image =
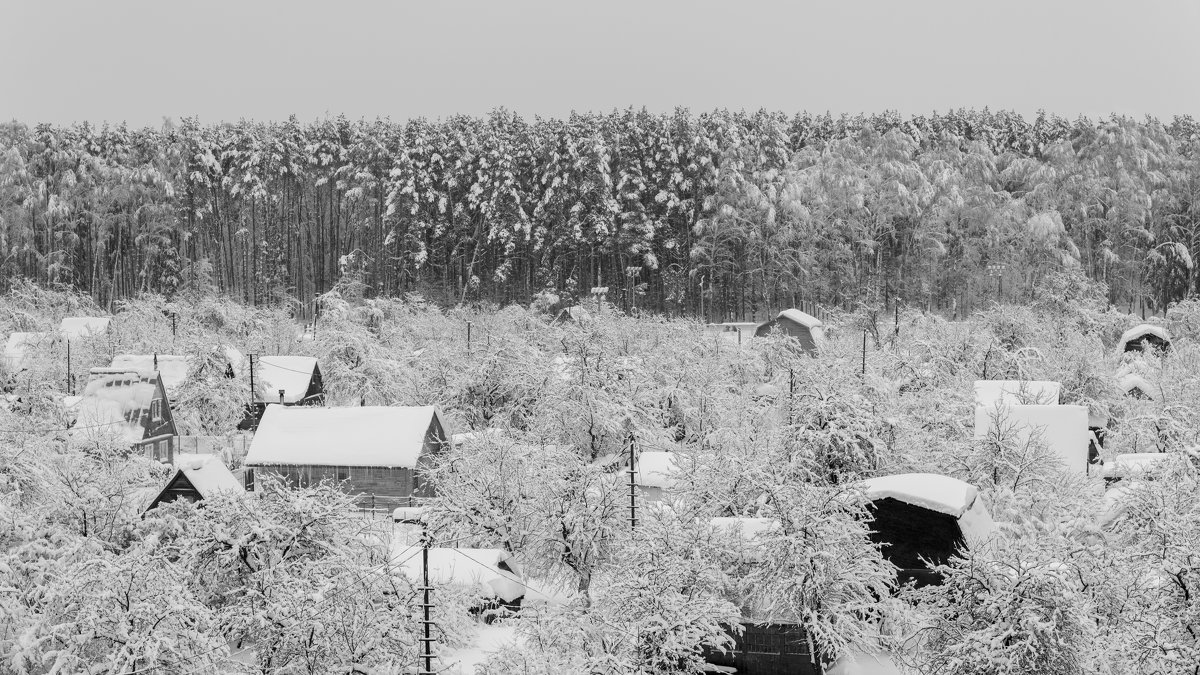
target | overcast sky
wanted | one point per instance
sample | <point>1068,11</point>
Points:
<point>140,61</point>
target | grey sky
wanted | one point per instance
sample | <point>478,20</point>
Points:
<point>139,61</point>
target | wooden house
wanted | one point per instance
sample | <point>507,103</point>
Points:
<point>922,519</point>
<point>195,478</point>
<point>1136,386</point>
<point>286,380</point>
<point>126,406</point>
<point>1145,337</point>
<point>376,453</point>
<point>805,328</point>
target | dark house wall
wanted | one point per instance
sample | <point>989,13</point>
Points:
<point>791,329</point>
<point>180,488</point>
<point>907,534</point>
<point>769,649</point>
<point>1153,342</point>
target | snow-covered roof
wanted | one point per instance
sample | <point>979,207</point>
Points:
<point>1135,463</point>
<point>656,469</point>
<point>574,313</point>
<point>748,528</point>
<point>408,514</point>
<point>803,318</point>
<point>1064,429</point>
<point>490,571</point>
<point>207,473</point>
<point>1140,331</point>
<point>932,491</point>
<point>83,326</point>
<point>236,360</point>
<point>292,374</point>
<point>1015,392</point>
<point>19,344</point>
<point>112,404</point>
<point>938,493</point>
<point>172,368</point>
<point>379,436</point>
<point>1130,381</point>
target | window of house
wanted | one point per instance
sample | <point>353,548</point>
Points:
<point>156,410</point>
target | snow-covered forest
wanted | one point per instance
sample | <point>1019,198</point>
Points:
<point>725,215</point>
<point>1075,578</point>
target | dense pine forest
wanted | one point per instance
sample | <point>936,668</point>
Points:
<point>718,214</point>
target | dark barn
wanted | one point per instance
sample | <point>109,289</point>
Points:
<point>920,520</point>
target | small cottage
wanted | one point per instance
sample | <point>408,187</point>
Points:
<point>573,314</point>
<point>195,478</point>
<point>491,574</point>
<point>805,328</point>
<point>1136,386</point>
<point>77,327</point>
<point>376,453</point>
<point>172,369</point>
<point>736,332</point>
<point>921,519</point>
<point>1145,337</point>
<point>287,380</point>
<point>20,346</point>
<point>128,406</point>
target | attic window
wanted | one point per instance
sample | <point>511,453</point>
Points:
<point>156,410</point>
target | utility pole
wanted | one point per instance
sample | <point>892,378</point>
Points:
<point>632,481</point>
<point>426,605</point>
<point>468,338</point>
<point>251,407</point>
<point>69,389</point>
<point>864,353</point>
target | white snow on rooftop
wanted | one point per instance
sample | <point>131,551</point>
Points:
<point>207,473</point>
<point>1141,331</point>
<point>1064,429</point>
<point>489,571</point>
<point>1134,463</point>
<point>935,492</point>
<point>380,436</point>
<point>292,374</point>
<point>1016,392</point>
<point>1130,381</point>
<point>19,345</point>
<point>74,327</point>
<point>172,368</point>
<point>656,469</point>
<point>112,405</point>
<point>803,318</point>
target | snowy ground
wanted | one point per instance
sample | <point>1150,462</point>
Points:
<point>487,640</point>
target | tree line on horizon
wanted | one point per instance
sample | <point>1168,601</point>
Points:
<point>723,215</point>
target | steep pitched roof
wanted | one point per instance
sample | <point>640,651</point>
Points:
<point>292,374</point>
<point>172,368</point>
<point>378,436</point>
<point>207,474</point>
<point>114,403</point>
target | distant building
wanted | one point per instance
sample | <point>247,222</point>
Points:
<point>1136,386</point>
<point>195,478</point>
<point>737,332</point>
<point>573,314</point>
<point>376,453</point>
<point>921,519</point>
<point>286,380</point>
<point>655,473</point>
<point>1145,337</point>
<point>129,406</point>
<point>806,328</point>
<point>491,574</point>
<point>76,327</point>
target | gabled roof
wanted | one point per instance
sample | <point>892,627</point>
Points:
<point>19,344</point>
<point>656,469</point>
<point>207,474</point>
<point>490,571</point>
<point>802,318</point>
<point>1016,392</point>
<point>74,327</point>
<point>114,403</point>
<point>377,436</point>
<point>574,313</point>
<point>1130,381</point>
<point>292,374</point>
<point>1140,331</point>
<point>172,368</point>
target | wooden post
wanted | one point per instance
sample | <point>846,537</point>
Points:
<point>864,353</point>
<point>468,337</point>
<point>632,483</point>
<point>69,389</point>
<point>426,606</point>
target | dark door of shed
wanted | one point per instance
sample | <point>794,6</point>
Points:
<point>909,536</point>
<point>769,649</point>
